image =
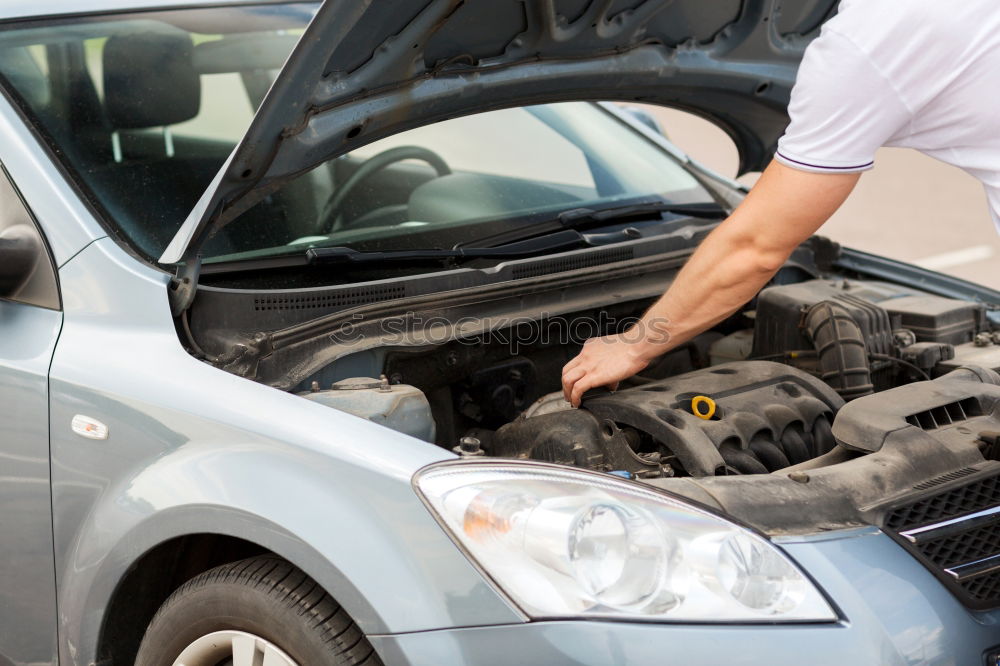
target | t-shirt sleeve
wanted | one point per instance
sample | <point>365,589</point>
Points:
<point>842,109</point>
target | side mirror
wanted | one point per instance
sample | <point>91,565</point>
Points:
<point>19,251</point>
<point>646,118</point>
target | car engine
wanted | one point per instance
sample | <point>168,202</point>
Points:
<point>830,401</point>
<point>743,418</point>
<point>758,394</point>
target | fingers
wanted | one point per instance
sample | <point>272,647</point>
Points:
<point>580,387</point>
<point>596,365</point>
<point>569,378</point>
<point>579,381</point>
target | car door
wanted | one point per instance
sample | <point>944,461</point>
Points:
<point>30,321</point>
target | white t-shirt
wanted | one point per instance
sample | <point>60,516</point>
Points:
<point>921,74</point>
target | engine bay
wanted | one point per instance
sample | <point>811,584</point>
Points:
<point>850,385</point>
<point>843,396</point>
<point>758,394</point>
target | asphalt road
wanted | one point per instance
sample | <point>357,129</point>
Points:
<point>909,207</point>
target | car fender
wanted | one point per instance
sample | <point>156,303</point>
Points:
<point>193,449</point>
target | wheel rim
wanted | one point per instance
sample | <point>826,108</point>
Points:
<point>235,647</point>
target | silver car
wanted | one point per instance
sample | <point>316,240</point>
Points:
<point>286,289</point>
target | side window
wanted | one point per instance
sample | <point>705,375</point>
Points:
<point>28,274</point>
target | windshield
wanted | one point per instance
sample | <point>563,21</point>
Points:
<point>145,108</point>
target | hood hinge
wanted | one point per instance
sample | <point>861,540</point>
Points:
<point>184,285</point>
<point>826,252</point>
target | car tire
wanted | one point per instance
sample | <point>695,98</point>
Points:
<point>261,600</point>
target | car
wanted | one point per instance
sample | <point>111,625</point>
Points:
<point>286,291</point>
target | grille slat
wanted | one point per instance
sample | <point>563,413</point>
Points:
<point>955,533</point>
<point>969,570</point>
<point>945,415</point>
<point>944,478</point>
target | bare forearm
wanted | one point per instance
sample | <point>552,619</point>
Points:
<point>740,256</point>
<point>720,277</point>
<point>729,267</point>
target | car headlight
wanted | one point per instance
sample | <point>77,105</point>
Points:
<point>565,543</point>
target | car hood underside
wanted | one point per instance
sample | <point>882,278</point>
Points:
<point>365,70</point>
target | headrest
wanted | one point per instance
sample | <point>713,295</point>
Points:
<point>150,80</point>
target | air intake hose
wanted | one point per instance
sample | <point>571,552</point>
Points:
<point>840,346</point>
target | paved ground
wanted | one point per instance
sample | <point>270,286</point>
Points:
<point>909,207</point>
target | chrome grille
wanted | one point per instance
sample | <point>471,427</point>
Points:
<point>955,532</point>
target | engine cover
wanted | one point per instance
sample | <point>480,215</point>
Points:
<point>768,416</point>
<point>880,311</point>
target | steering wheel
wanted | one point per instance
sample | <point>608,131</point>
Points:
<point>330,214</point>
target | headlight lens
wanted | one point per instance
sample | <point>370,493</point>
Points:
<point>565,543</point>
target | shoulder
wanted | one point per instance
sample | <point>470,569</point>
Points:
<point>871,24</point>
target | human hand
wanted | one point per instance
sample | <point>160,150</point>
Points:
<point>603,362</point>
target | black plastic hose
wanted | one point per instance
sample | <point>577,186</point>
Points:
<point>840,347</point>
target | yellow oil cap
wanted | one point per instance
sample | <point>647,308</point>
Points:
<point>703,407</point>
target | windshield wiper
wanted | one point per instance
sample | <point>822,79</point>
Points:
<point>549,235</point>
<point>561,240</point>
<point>582,218</point>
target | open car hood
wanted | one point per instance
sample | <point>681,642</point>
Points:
<point>364,70</point>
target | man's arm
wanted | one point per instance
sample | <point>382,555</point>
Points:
<point>731,265</point>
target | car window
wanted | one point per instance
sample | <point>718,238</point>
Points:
<point>145,108</point>
<point>464,178</point>
<point>39,285</point>
<point>511,142</point>
<point>226,108</point>
<point>149,103</point>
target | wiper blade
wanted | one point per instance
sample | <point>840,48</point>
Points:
<point>710,210</point>
<point>581,218</point>
<point>562,240</point>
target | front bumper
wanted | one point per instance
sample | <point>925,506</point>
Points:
<point>895,612</point>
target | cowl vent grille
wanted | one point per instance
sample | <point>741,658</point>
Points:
<point>946,415</point>
<point>329,301</point>
<point>572,263</point>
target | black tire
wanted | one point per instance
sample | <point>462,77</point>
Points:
<point>264,596</point>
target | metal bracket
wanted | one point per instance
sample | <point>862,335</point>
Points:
<point>825,252</point>
<point>184,285</point>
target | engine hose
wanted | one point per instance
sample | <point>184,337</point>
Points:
<point>840,346</point>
